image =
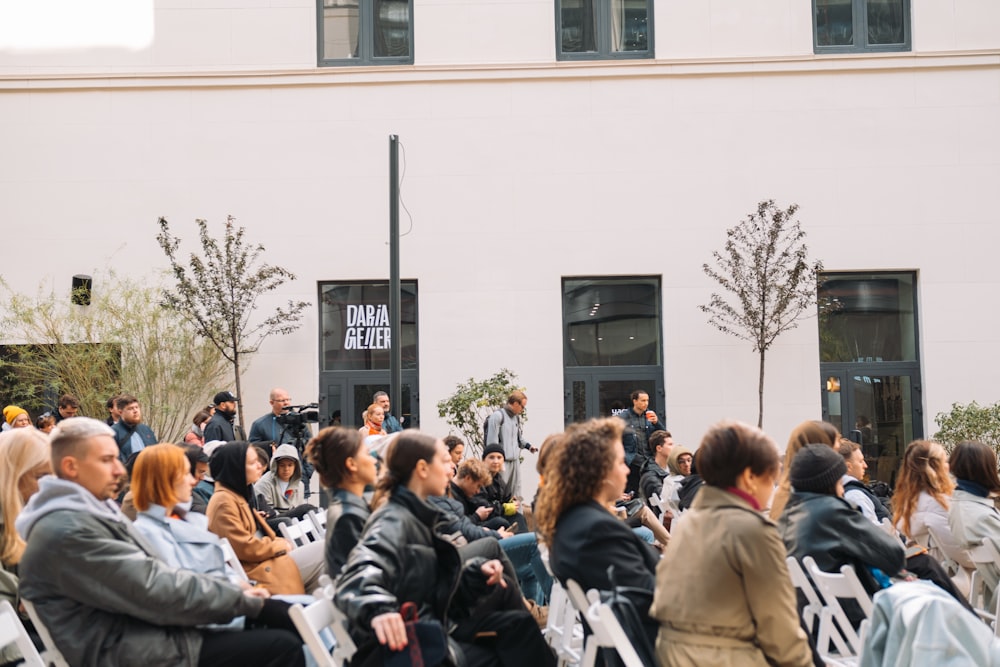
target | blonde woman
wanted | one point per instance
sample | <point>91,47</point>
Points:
<point>923,497</point>
<point>807,433</point>
<point>24,459</point>
<point>374,421</point>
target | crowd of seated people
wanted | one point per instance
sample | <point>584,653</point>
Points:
<point>427,523</point>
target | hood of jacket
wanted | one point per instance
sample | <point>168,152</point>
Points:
<point>287,452</point>
<point>56,494</point>
<point>675,453</point>
<point>228,466</point>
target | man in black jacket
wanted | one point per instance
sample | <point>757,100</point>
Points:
<point>220,426</point>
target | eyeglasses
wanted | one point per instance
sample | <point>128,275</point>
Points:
<point>45,415</point>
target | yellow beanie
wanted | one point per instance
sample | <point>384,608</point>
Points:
<point>11,412</point>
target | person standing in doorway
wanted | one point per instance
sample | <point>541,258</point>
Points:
<point>640,423</point>
<point>391,424</point>
<point>503,428</point>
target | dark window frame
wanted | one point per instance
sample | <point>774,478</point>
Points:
<point>859,15</point>
<point>603,36</point>
<point>366,39</point>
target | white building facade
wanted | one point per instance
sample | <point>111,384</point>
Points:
<point>568,167</point>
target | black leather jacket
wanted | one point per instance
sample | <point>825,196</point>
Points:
<point>400,558</point>
<point>835,533</point>
<point>345,518</point>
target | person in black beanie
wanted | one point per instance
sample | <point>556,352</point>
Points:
<point>818,522</point>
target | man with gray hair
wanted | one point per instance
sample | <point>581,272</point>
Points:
<point>391,424</point>
<point>101,592</point>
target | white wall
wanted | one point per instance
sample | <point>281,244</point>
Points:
<point>517,177</point>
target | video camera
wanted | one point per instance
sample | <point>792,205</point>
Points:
<point>296,417</point>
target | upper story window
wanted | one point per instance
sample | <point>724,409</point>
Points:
<point>365,32</point>
<point>612,321</point>
<point>604,29</point>
<point>841,26</point>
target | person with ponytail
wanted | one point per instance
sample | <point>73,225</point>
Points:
<point>345,468</point>
<point>922,498</point>
<point>400,559</point>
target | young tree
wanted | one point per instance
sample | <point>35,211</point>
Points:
<point>765,269</point>
<point>217,292</point>
<point>468,408</point>
<point>123,342</point>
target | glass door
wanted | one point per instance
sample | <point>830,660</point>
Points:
<point>878,408</point>
<point>606,392</point>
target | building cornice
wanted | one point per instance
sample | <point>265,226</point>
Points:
<point>424,74</point>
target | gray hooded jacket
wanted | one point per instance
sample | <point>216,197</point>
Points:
<point>105,599</point>
<point>269,485</point>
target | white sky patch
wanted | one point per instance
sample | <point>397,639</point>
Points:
<point>49,25</point>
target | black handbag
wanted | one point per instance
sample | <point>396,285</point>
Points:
<point>426,642</point>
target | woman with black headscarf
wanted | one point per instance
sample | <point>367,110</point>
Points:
<point>265,557</point>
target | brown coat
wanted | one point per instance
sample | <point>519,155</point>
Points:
<point>723,594</point>
<point>264,558</point>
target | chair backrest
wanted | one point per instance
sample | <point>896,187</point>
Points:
<point>229,555</point>
<point>321,615</point>
<point>610,634</point>
<point>836,586</point>
<point>294,532</point>
<point>318,519</point>
<point>12,632</point>
<point>984,554</point>
<point>815,614</point>
<point>51,655</point>
<point>563,630</point>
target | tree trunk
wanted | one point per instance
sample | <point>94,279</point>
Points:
<point>239,389</point>
<point>760,393</point>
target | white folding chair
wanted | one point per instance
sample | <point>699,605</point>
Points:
<point>318,518</point>
<point>318,616</point>
<point>945,551</point>
<point>610,634</point>
<point>984,554</point>
<point>295,532</point>
<point>563,630</point>
<point>51,655</point>
<point>12,632</point>
<point>231,560</point>
<point>814,613</point>
<point>842,585</point>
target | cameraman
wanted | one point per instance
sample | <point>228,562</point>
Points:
<point>269,429</point>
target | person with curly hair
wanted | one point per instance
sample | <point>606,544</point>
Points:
<point>345,468</point>
<point>807,433</point>
<point>585,474</point>
<point>923,496</point>
<point>723,593</point>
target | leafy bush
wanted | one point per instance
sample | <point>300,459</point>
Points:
<point>467,409</point>
<point>969,422</point>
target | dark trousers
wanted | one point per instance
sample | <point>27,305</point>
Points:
<point>251,648</point>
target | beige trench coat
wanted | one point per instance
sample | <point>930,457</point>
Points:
<point>723,595</point>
